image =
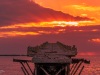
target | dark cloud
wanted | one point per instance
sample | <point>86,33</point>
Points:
<point>79,38</point>
<point>19,45</point>
<point>23,11</point>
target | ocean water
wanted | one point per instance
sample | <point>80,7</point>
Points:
<point>8,67</point>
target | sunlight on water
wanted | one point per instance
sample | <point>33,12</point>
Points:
<point>8,67</point>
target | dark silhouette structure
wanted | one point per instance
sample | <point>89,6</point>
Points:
<point>53,59</point>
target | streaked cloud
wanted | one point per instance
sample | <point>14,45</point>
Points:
<point>95,40</point>
<point>48,24</point>
<point>84,10</point>
<point>24,17</point>
<point>26,11</point>
<point>47,28</point>
<point>23,22</point>
<point>7,34</point>
<point>85,7</point>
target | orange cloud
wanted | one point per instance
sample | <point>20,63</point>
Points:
<point>25,11</point>
<point>80,30</point>
<point>7,34</point>
<point>84,10</point>
<point>96,40</point>
<point>53,27</point>
<point>16,33</point>
<point>31,29</point>
<point>48,24</point>
<point>85,7</point>
<point>95,30</point>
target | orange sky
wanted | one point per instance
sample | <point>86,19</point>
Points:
<point>86,8</point>
<point>24,23</point>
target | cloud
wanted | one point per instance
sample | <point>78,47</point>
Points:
<point>95,40</point>
<point>19,25</point>
<point>24,11</point>
<point>84,10</point>
<point>7,34</point>
<point>17,39</point>
<point>45,28</point>
<point>84,7</point>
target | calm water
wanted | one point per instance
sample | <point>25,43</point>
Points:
<point>8,67</point>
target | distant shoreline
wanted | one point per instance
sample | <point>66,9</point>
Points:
<point>13,55</point>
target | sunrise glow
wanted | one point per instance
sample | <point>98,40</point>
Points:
<point>42,24</point>
<point>49,24</point>
<point>53,24</point>
<point>79,7</point>
<point>69,21</point>
<point>63,23</point>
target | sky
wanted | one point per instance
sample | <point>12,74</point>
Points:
<point>26,23</point>
<point>85,8</point>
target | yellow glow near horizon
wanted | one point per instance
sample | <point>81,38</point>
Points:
<point>63,23</point>
<point>49,24</point>
<point>53,24</point>
<point>58,23</point>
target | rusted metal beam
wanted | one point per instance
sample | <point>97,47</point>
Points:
<point>76,60</point>
<point>77,68</point>
<point>72,70</point>
<point>25,68</point>
<point>35,71</point>
<point>29,68</point>
<point>68,69</point>
<point>44,71</point>
<point>60,71</point>
<point>81,70</point>
<point>23,71</point>
<point>19,60</point>
<point>72,66</point>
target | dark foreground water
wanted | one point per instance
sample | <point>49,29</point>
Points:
<point>8,67</point>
